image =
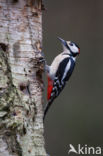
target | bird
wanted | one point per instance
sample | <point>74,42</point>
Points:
<point>60,71</point>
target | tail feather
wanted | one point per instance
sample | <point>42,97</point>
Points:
<point>54,94</point>
<point>46,109</point>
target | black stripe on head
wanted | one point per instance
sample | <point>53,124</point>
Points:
<point>76,45</point>
<point>73,54</point>
<point>67,46</point>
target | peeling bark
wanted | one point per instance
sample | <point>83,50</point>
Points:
<point>21,86</point>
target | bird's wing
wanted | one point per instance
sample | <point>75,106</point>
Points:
<point>55,86</point>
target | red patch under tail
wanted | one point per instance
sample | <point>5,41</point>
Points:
<point>50,87</point>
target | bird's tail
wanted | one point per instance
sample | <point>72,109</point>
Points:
<point>51,100</point>
<point>47,108</point>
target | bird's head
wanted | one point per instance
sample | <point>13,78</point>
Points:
<point>72,48</point>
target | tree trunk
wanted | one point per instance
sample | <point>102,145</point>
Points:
<point>21,86</point>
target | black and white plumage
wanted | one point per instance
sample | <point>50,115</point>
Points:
<point>60,71</point>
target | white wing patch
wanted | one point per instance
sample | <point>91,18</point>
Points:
<point>66,69</point>
<point>55,64</point>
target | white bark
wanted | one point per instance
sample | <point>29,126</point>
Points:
<point>21,125</point>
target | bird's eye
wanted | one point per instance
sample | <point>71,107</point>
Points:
<point>71,44</point>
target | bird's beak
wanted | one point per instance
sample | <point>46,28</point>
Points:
<point>63,41</point>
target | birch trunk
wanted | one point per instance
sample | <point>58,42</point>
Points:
<point>21,86</point>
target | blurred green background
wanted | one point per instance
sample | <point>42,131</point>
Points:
<point>76,116</point>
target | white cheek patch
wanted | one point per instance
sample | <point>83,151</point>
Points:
<point>74,49</point>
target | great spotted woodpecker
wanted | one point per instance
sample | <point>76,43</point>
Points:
<point>60,71</point>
